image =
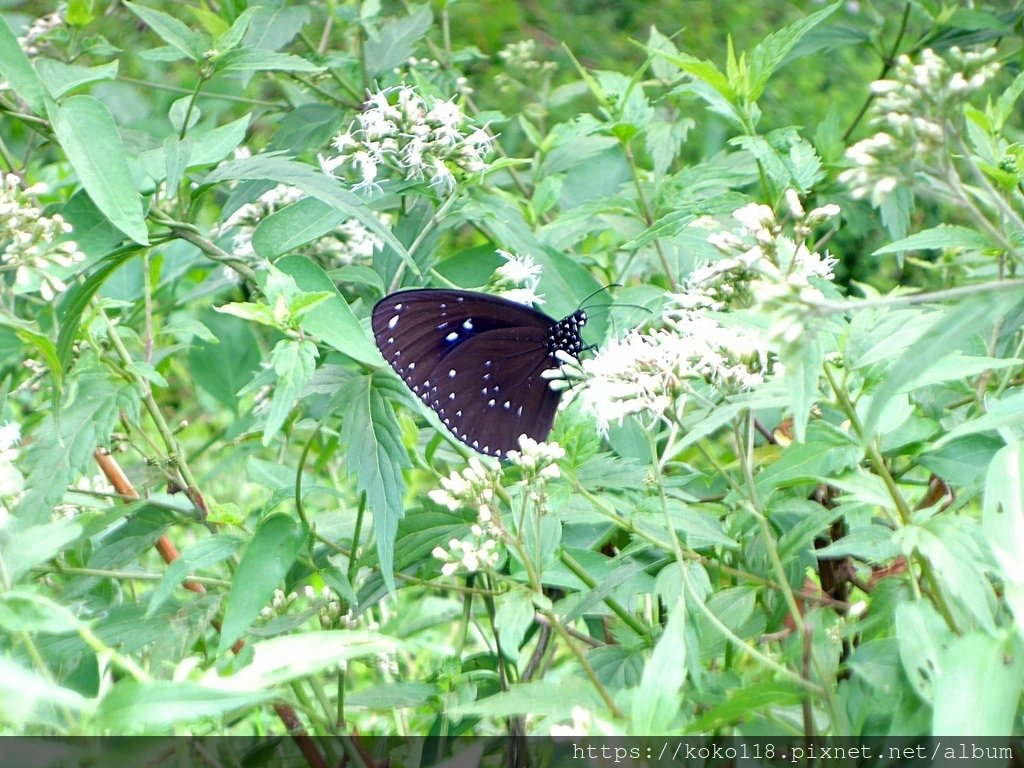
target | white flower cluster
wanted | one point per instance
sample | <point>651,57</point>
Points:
<point>521,54</point>
<point>475,488</point>
<point>347,244</point>
<point>761,262</point>
<point>517,279</point>
<point>326,604</point>
<point>415,138</point>
<point>39,29</point>
<point>913,111</point>
<point>652,372</point>
<point>29,241</point>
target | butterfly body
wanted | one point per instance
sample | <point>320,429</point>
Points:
<point>476,360</point>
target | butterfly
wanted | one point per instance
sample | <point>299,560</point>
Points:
<point>476,360</point>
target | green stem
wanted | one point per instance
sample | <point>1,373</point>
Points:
<point>627,618</point>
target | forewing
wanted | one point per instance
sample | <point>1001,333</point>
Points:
<point>488,391</point>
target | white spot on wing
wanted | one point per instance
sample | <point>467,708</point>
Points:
<point>468,324</point>
<point>393,322</point>
<point>451,336</point>
<point>451,373</point>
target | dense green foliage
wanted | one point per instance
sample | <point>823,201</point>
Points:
<point>785,493</point>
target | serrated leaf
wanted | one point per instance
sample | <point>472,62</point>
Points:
<point>947,332</point>
<point>172,31</point>
<point>376,458</point>
<point>773,50</point>
<point>333,322</point>
<point>294,362</point>
<point>396,40</point>
<point>274,547</point>
<point>942,237</point>
<point>657,701</point>
<point>89,137</point>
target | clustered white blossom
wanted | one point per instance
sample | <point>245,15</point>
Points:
<point>517,279</point>
<point>475,488</point>
<point>522,54</point>
<point>40,28</point>
<point>761,262</point>
<point>326,604</point>
<point>701,334</point>
<point>29,241</point>
<point>411,136</point>
<point>348,243</point>
<point>913,112</point>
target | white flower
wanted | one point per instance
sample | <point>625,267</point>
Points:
<point>755,217</point>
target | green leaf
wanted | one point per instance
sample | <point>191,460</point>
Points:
<point>89,136</point>
<point>27,698</point>
<point>294,362</point>
<point>26,546</point>
<point>214,145</point>
<point>313,182</point>
<point>396,40</point>
<point>229,40</point>
<point>172,31</point>
<point>376,458</point>
<point>978,692</point>
<point>24,611</point>
<point>740,703</point>
<point>387,696</point>
<point>333,322</point>
<point>133,707</point>
<point>61,78</point>
<point>803,364</point>
<point>224,367</point>
<point>255,60</point>
<point>295,225</point>
<point>545,698</point>
<point>772,51</point>
<point>1002,523</point>
<point>280,660</point>
<point>513,617</point>
<point>942,237</point>
<point>950,329</point>
<point>77,299</point>
<point>923,637</point>
<point>17,70</point>
<point>657,701</point>
<point>1004,413</point>
<point>202,554</point>
<point>274,547</point>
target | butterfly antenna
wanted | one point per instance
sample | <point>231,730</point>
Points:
<point>602,288</point>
